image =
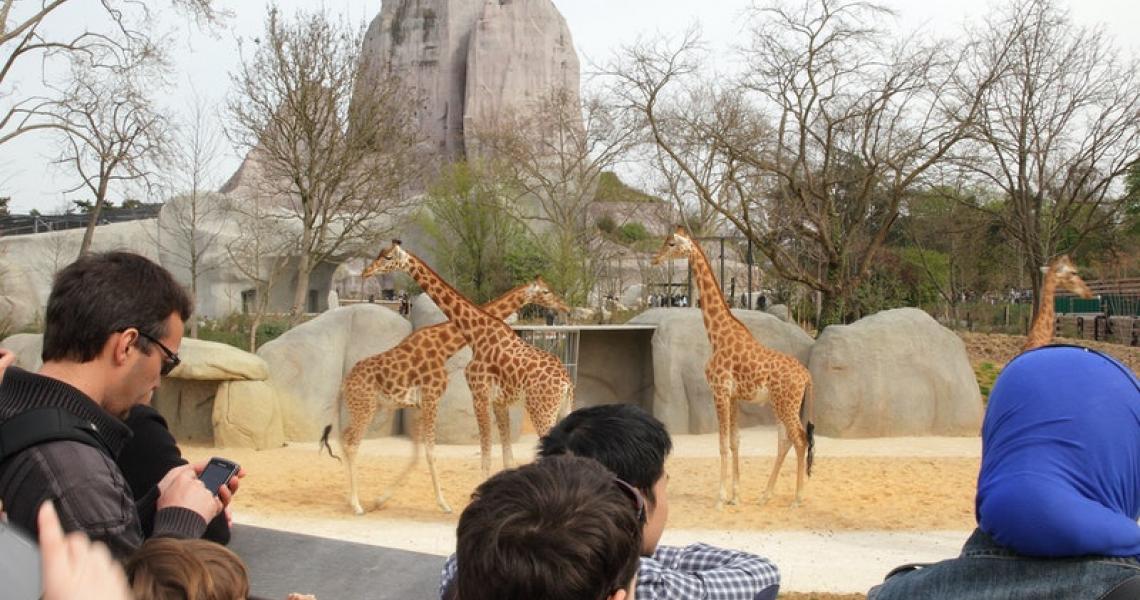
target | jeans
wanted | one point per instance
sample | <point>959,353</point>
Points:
<point>986,570</point>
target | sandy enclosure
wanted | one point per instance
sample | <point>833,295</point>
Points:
<point>909,484</point>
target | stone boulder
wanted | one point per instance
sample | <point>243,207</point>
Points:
<point>247,414</point>
<point>425,313</point>
<point>682,398</point>
<point>28,348</point>
<point>188,396</point>
<point>894,373</point>
<point>633,295</point>
<point>308,363</point>
<point>781,312</point>
<point>20,307</point>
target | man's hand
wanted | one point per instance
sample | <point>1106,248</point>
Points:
<point>180,487</point>
<point>74,568</point>
<point>7,359</point>
<point>226,493</point>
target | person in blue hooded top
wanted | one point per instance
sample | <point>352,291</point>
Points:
<point>1059,489</point>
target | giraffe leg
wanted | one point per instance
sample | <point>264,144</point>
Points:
<point>361,410</point>
<point>734,441</point>
<point>411,464</point>
<point>503,420</point>
<point>480,397</point>
<point>427,430</point>
<point>782,447</point>
<point>723,406</point>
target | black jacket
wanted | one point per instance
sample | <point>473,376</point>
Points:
<point>149,455</point>
<point>89,491</point>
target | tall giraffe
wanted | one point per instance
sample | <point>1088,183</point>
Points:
<point>743,370</point>
<point>413,374</point>
<point>503,369</point>
<point>1060,271</point>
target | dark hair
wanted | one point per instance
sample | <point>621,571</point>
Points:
<point>186,569</point>
<point>559,529</point>
<point>100,294</point>
<point>627,440</point>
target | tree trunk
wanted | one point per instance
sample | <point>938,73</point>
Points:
<point>92,221</point>
<point>301,293</point>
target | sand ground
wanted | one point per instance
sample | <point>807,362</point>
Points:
<point>869,506</point>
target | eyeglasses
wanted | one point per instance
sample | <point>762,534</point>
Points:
<point>170,361</point>
<point>638,499</point>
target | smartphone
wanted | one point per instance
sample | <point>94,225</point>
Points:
<point>20,566</point>
<point>217,472</point>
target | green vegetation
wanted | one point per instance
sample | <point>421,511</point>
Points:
<point>612,189</point>
<point>234,330</point>
<point>986,373</point>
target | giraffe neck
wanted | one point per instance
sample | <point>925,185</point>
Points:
<point>719,321</point>
<point>504,305</point>
<point>1041,332</point>
<point>471,322</point>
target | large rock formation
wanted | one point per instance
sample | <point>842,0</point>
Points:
<point>521,53</point>
<point>682,398</point>
<point>897,372</point>
<point>459,54</point>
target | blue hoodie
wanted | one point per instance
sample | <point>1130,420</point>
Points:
<point>1060,469</point>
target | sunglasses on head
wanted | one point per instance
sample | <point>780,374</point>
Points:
<point>635,496</point>
<point>169,361</point>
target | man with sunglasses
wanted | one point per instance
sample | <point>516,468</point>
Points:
<point>633,445</point>
<point>111,330</point>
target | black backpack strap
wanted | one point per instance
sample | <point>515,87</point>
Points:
<point>47,424</point>
<point>1129,589</point>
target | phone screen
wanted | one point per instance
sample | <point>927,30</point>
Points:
<point>19,565</point>
<point>217,472</point>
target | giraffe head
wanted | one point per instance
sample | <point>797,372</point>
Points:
<point>390,260</point>
<point>1065,273</point>
<point>677,245</point>
<point>539,292</point>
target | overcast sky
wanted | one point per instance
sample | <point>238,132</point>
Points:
<point>598,27</point>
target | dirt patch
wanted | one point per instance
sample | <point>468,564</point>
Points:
<point>844,494</point>
<point>998,349</point>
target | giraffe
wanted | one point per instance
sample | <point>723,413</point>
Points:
<point>503,369</point>
<point>413,374</point>
<point>1060,271</point>
<point>743,370</point>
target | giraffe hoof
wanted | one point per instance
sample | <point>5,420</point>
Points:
<point>358,510</point>
<point>444,507</point>
<point>764,499</point>
<point>797,503</point>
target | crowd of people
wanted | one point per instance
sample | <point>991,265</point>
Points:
<point>89,469</point>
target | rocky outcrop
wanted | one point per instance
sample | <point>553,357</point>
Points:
<point>521,52</point>
<point>424,43</point>
<point>682,398</point>
<point>308,363</point>
<point>463,58</point>
<point>894,373</point>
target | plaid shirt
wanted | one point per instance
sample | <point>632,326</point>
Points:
<point>697,571</point>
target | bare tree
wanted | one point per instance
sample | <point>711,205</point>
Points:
<point>120,36</point>
<point>110,133</point>
<point>554,151</point>
<point>812,150</point>
<point>341,165</point>
<point>261,251</point>
<point>1059,130</point>
<point>193,218</point>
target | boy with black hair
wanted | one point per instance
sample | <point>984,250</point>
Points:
<point>112,328</point>
<point>563,528</point>
<point>633,445</point>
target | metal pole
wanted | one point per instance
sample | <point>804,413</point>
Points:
<point>722,265</point>
<point>749,272</point>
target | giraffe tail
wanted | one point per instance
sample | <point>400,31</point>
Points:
<point>324,443</point>
<point>809,429</point>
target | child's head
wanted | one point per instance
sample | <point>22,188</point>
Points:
<point>560,528</point>
<point>177,569</point>
<point>628,441</point>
